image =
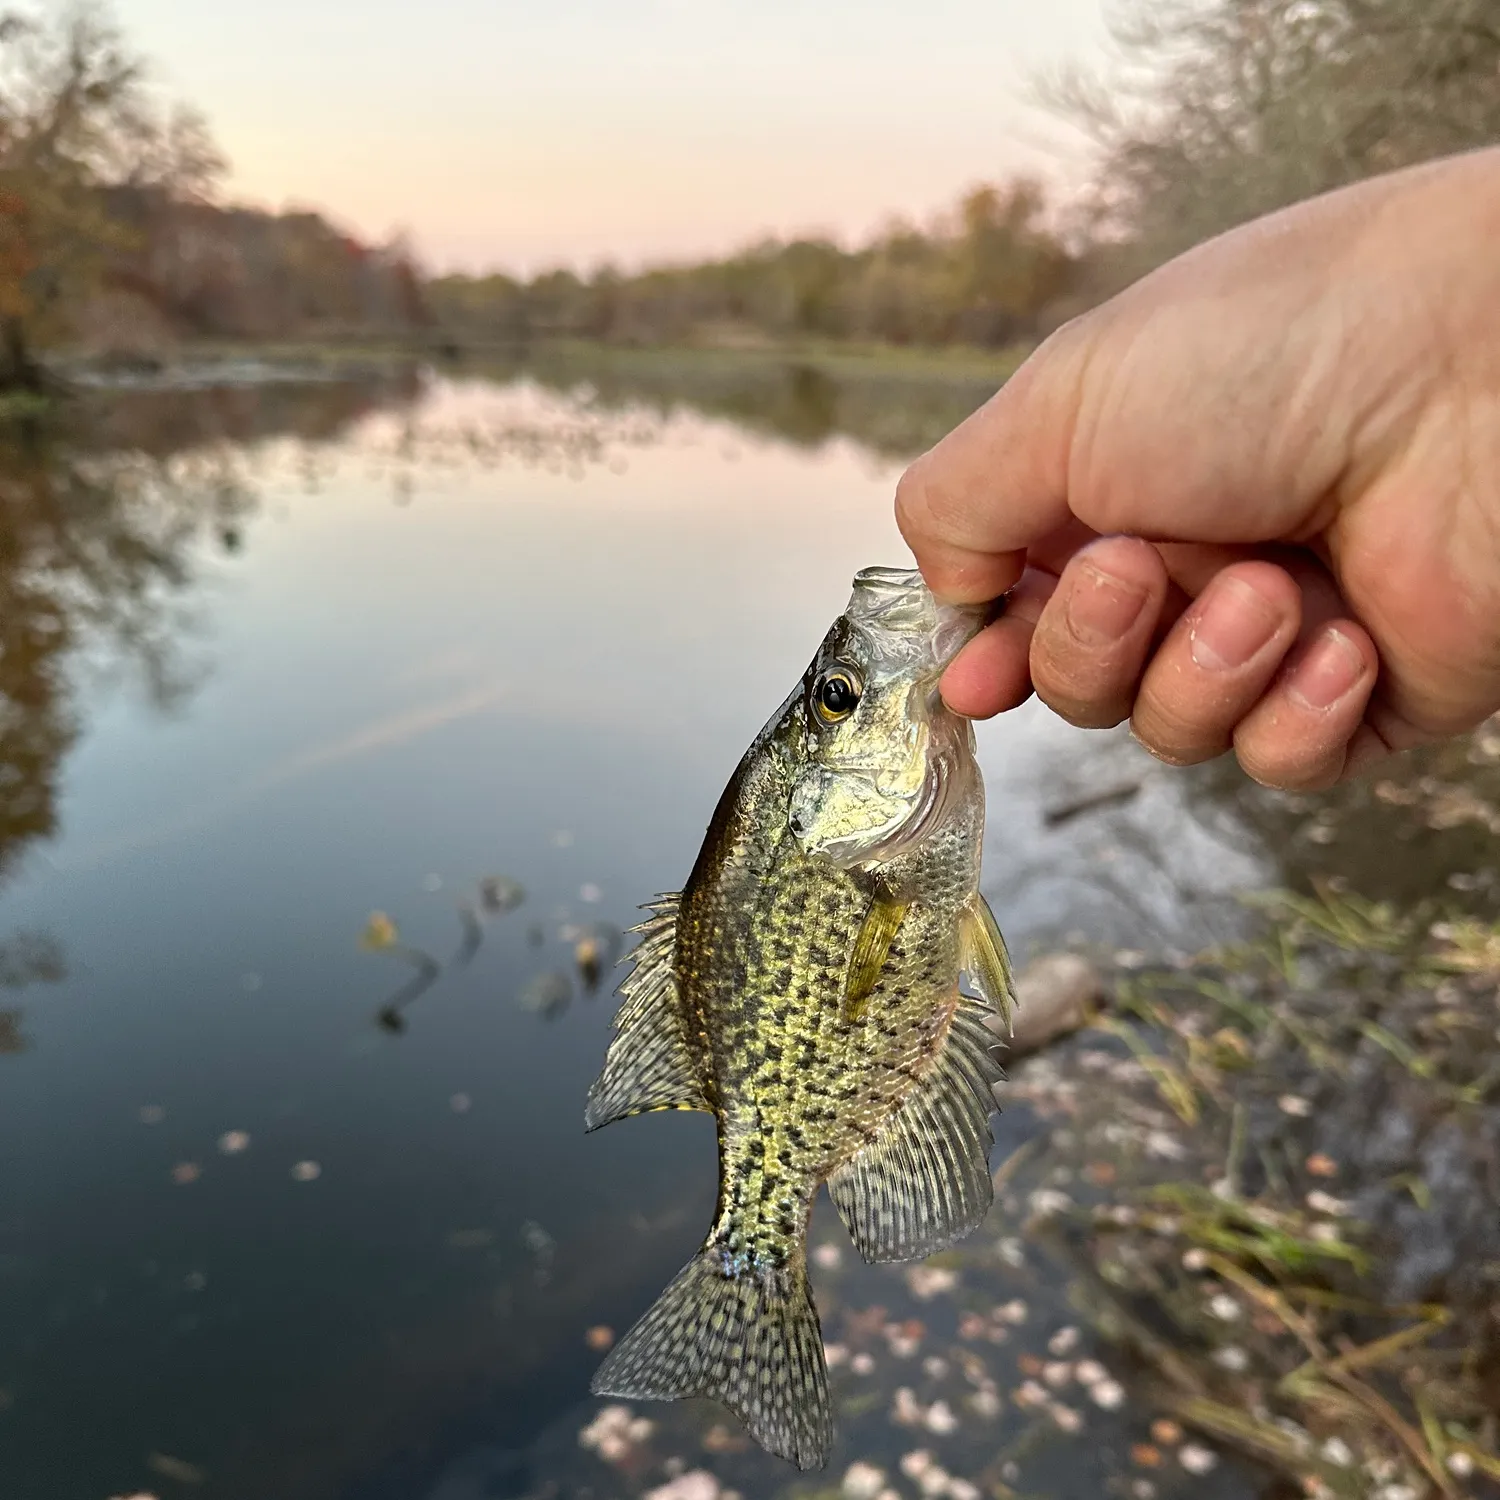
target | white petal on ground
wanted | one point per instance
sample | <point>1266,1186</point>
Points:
<point>940,1419</point>
<point>232,1142</point>
<point>1225,1308</point>
<point>1064,1341</point>
<point>863,1481</point>
<point>1197,1459</point>
<point>306,1171</point>
<point>696,1484</point>
<point>906,1410</point>
<point>1164,1146</point>
<point>916,1463</point>
<point>1325,1203</point>
<point>1044,1203</point>
<point>927,1282</point>
<point>986,1404</point>
<point>1065,1417</point>
<point>935,1481</point>
<point>828,1257</point>
<point>1107,1394</point>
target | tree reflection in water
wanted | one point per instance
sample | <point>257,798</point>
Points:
<point>106,506</point>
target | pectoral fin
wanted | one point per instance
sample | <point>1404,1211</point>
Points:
<point>871,949</point>
<point>985,960</point>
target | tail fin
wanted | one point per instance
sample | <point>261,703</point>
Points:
<point>750,1340</point>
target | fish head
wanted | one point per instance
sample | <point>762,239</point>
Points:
<point>883,759</point>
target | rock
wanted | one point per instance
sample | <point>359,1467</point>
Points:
<point>1054,996</point>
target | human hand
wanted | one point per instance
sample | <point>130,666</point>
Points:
<point>1253,502</point>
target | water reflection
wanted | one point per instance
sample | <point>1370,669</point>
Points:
<point>394,1273</point>
<point>104,509</point>
<point>891,411</point>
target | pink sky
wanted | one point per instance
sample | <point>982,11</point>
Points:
<point>526,134</point>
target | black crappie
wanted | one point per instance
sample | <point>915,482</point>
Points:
<point>804,988</point>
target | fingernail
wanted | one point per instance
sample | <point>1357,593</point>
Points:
<point>1333,667</point>
<point>1100,607</point>
<point>1234,622</point>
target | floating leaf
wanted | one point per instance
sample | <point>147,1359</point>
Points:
<point>380,932</point>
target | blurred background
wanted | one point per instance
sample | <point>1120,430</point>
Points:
<point>431,444</point>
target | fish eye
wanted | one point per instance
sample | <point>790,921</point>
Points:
<point>835,694</point>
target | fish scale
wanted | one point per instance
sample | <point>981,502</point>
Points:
<point>804,988</point>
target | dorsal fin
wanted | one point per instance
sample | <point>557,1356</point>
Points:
<point>648,1065</point>
<point>924,1181</point>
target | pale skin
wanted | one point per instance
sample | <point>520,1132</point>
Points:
<point>1253,502</point>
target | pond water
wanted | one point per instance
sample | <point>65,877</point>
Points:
<point>279,656</point>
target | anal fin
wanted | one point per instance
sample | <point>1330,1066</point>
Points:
<point>649,1065</point>
<point>985,960</point>
<point>924,1181</point>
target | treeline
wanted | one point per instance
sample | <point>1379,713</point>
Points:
<point>990,273</point>
<point>112,236</point>
<point>1221,110</point>
<point>242,273</point>
<point>109,232</point>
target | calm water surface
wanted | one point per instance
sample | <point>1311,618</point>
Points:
<point>309,653</point>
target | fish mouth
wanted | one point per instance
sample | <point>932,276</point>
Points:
<point>904,624</point>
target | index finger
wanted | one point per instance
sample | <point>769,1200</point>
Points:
<point>998,482</point>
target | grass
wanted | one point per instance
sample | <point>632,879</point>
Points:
<point>1255,1268</point>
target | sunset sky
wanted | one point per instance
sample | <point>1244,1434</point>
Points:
<point>524,133</point>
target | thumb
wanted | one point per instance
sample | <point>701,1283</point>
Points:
<point>998,483</point>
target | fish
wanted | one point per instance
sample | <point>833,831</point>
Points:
<point>805,988</point>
